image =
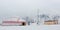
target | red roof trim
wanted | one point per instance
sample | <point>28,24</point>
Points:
<point>12,21</point>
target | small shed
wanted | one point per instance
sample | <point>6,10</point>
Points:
<point>17,22</point>
<point>51,22</point>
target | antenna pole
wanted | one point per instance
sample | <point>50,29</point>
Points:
<point>38,16</point>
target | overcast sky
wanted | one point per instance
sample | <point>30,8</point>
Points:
<point>28,7</point>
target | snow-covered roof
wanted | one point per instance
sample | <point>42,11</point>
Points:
<point>22,20</point>
<point>13,19</point>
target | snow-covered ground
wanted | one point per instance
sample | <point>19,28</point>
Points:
<point>31,27</point>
